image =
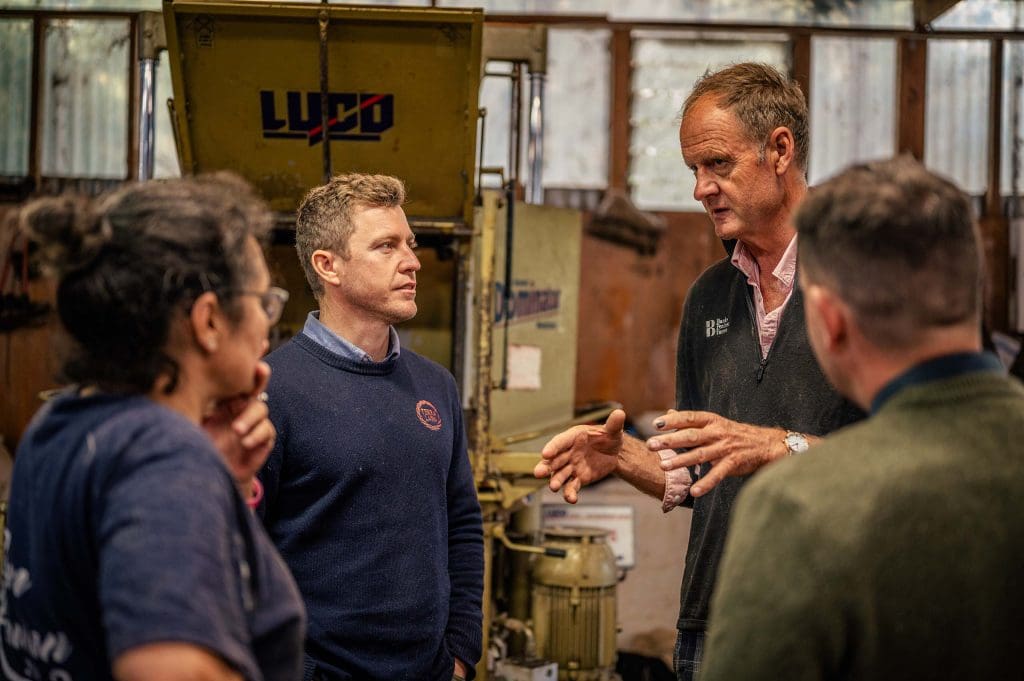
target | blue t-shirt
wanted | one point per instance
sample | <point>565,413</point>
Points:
<point>125,528</point>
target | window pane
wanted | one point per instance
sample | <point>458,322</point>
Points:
<point>576,129</point>
<point>575,136</point>
<point>85,99</point>
<point>15,95</point>
<point>664,71</point>
<point>601,7</point>
<point>983,14</point>
<point>852,103</point>
<point>875,13</point>
<point>1012,172</point>
<point>956,120</point>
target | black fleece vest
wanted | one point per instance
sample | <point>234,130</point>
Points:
<point>720,369</point>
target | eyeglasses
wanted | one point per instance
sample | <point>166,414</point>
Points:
<point>272,301</point>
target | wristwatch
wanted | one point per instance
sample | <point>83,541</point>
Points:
<point>796,443</point>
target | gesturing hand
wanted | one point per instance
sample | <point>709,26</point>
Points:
<point>730,447</point>
<point>581,455</point>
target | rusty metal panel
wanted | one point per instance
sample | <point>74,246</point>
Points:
<point>403,86</point>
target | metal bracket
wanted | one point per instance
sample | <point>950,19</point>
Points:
<point>152,37</point>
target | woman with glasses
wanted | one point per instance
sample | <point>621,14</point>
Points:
<point>131,549</point>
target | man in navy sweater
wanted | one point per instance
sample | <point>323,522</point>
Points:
<point>369,494</point>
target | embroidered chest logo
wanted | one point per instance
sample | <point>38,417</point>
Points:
<point>428,415</point>
<point>716,327</point>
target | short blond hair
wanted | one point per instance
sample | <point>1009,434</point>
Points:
<point>324,218</point>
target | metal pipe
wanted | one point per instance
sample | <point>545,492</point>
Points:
<point>482,330</point>
<point>151,38</point>
<point>592,415</point>
<point>516,625</point>
<point>1016,84</point>
<point>499,534</point>
<point>480,156</point>
<point>323,21</point>
<point>527,524</point>
<point>515,123</point>
<point>535,144</point>
<point>147,117</point>
<point>506,299</point>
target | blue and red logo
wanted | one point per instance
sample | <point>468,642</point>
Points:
<point>525,303</point>
<point>359,116</point>
<point>428,415</point>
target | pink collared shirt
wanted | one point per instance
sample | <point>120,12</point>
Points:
<point>677,482</point>
<point>785,272</point>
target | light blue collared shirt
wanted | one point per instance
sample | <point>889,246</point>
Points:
<point>321,335</point>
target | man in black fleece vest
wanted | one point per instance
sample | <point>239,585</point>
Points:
<point>748,390</point>
<point>369,494</point>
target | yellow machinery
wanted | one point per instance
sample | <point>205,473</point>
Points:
<point>289,94</point>
<point>574,603</point>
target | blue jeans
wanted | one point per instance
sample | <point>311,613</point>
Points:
<point>689,650</point>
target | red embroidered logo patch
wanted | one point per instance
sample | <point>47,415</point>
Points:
<point>427,414</point>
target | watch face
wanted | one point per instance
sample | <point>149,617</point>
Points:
<point>796,443</point>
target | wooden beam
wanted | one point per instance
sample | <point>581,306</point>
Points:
<point>801,69</point>
<point>993,195</point>
<point>910,103</point>
<point>35,154</point>
<point>134,102</point>
<point>994,226</point>
<point>619,109</point>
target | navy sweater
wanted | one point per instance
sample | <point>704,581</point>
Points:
<point>369,497</point>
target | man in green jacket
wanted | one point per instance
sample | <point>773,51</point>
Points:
<point>894,549</point>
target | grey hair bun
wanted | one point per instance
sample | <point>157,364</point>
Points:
<point>68,229</point>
